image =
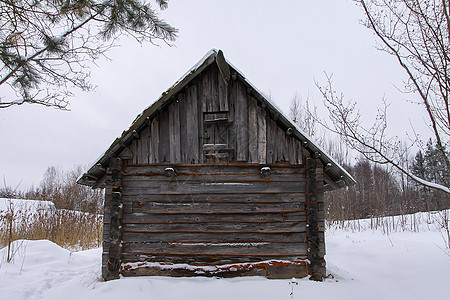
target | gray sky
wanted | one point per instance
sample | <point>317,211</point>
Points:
<point>281,47</point>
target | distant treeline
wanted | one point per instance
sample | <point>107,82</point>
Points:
<point>383,192</point>
<point>60,187</point>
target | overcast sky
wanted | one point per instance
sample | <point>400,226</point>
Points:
<point>280,46</point>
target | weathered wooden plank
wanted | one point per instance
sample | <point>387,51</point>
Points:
<point>142,237</point>
<point>174,133</point>
<point>313,233</point>
<point>111,263</point>
<point>134,151</point>
<point>257,270</point>
<point>224,178</point>
<point>298,149</point>
<point>126,154</point>
<point>241,123</point>
<point>215,88</point>
<point>291,150</point>
<point>139,156</point>
<point>210,198</point>
<point>224,68</point>
<point>205,259</point>
<point>221,134</point>
<point>145,145</point>
<point>285,227</point>
<point>206,91</point>
<point>212,208</point>
<point>164,143</point>
<point>186,187</point>
<point>223,95</point>
<point>192,125</point>
<point>262,136</point>
<point>254,249</point>
<point>183,128</point>
<point>231,118</point>
<point>253,156</point>
<point>280,145</point>
<point>271,140</point>
<point>154,141</point>
<point>231,169</point>
<point>286,271</point>
<point>144,218</point>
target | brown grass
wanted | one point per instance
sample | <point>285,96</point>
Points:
<point>70,229</point>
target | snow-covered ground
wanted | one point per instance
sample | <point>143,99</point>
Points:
<point>366,264</point>
<point>28,206</point>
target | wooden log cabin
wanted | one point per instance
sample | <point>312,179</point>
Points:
<point>213,180</point>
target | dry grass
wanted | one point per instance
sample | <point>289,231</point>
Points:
<point>70,229</point>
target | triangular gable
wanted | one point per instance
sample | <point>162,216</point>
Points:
<point>335,175</point>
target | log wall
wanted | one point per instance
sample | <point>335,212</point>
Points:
<point>213,215</point>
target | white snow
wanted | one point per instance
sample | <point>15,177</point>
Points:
<point>430,184</point>
<point>363,263</point>
<point>31,206</point>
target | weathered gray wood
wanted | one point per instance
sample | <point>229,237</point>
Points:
<point>206,259</point>
<point>220,197</point>
<point>212,208</point>
<point>139,149</point>
<point>215,88</point>
<point>257,249</point>
<point>241,123</point>
<point>223,94</point>
<point>299,154</point>
<point>281,145</point>
<point>174,133</point>
<point>218,227</point>
<point>317,261</point>
<point>164,142</point>
<point>217,178</point>
<point>253,156</point>
<point>138,187</point>
<point>321,208</point>
<point>144,218</point>
<point>145,145</point>
<point>286,271</point>
<point>206,91</point>
<point>154,141</point>
<point>183,272</point>
<point>113,262</point>
<point>231,118</point>
<point>210,198</point>
<point>184,155</point>
<point>214,147</point>
<point>271,141</point>
<point>204,169</point>
<point>126,154</point>
<point>134,151</point>
<point>174,237</point>
<point>262,136</point>
<point>192,124</point>
<point>224,68</point>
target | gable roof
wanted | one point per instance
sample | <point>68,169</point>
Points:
<point>335,175</point>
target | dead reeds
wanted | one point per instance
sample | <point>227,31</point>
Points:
<point>37,220</point>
